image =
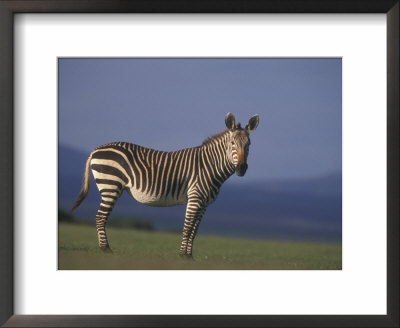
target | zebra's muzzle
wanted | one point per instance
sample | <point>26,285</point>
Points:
<point>241,169</point>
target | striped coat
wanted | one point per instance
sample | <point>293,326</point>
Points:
<point>191,176</point>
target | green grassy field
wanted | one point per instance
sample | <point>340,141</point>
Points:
<point>135,249</point>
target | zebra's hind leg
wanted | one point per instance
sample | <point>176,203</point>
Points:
<point>108,200</point>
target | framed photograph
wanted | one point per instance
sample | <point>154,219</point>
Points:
<point>292,195</point>
<point>300,228</point>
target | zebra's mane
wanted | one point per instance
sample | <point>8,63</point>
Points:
<point>208,140</point>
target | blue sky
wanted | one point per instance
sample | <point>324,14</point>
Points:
<point>169,104</point>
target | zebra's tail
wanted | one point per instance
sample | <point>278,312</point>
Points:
<point>85,185</point>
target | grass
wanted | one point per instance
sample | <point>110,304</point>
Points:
<point>135,249</point>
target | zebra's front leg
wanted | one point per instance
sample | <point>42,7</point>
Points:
<point>194,213</point>
<point>193,235</point>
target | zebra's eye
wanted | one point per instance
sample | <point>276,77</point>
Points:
<point>232,143</point>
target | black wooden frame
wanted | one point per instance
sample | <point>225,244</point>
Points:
<point>7,10</point>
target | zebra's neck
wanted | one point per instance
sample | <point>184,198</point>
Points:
<point>214,159</point>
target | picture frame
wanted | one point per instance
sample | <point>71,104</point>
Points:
<point>9,8</point>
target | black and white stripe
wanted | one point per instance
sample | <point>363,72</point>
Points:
<point>191,176</point>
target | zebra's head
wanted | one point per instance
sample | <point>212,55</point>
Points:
<point>239,142</point>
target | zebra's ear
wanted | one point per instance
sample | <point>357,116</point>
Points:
<point>230,121</point>
<point>253,123</point>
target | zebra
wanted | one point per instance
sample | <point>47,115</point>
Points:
<point>191,176</point>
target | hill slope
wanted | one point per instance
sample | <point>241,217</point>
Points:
<point>141,250</point>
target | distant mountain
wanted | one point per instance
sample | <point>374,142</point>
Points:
<point>326,185</point>
<point>297,209</point>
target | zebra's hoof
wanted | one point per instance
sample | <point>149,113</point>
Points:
<point>106,249</point>
<point>187,256</point>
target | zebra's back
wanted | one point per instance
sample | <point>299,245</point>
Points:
<point>152,177</point>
